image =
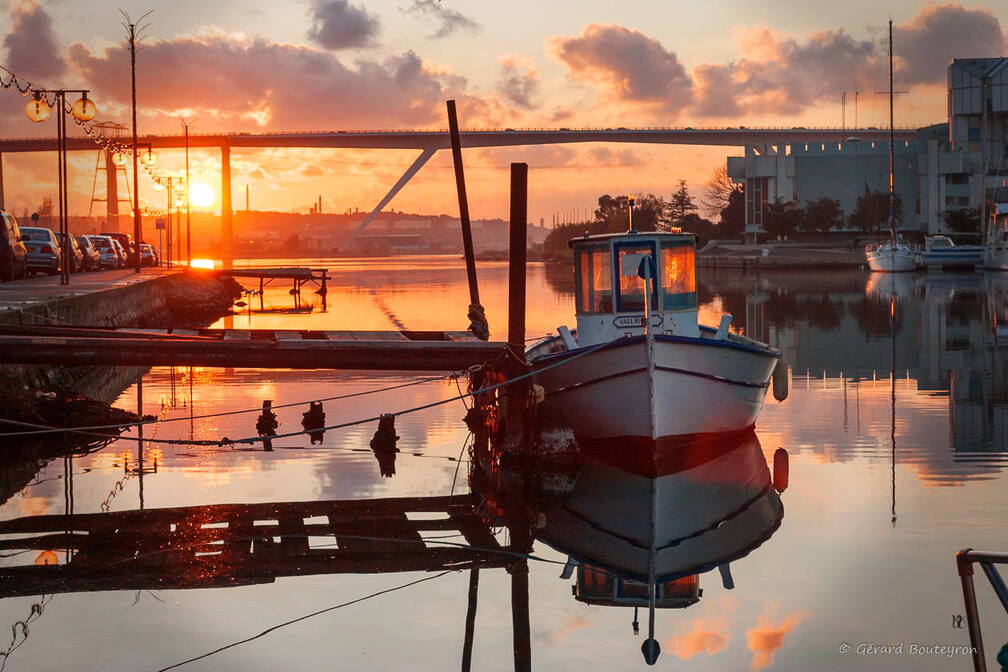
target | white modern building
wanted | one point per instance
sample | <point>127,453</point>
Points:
<point>956,165</point>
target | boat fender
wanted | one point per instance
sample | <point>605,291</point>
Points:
<point>780,470</point>
<point>538,394</point>
<point>723,328</point>
<point>780,381</point>
<point>567,337</point>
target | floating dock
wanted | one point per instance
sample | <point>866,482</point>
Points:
<point>262,348</point>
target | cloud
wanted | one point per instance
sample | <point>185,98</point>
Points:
<point>766,638</point>
<point>633,67</point>
<point>707,636</point>
<point>449,20</point>
<point>776,73</point>
<point>621,158</point>
<point>32,48</point>
<point>336,24</point>
<point>312,170</point>
<point>227,80</point>
<point>943,31</point>
<point>518,81</point>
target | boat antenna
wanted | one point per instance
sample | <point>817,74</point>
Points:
<point>892,144</point>
<point>630,203</point>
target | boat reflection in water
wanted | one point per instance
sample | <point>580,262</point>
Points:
<point>641,535</point>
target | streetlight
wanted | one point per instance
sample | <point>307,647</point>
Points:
<point>39,110</point>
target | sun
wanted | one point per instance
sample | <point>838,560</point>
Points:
<point>202,195</point>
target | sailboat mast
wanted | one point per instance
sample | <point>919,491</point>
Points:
<point>892,144</point>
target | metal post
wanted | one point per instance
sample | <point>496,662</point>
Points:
<point>470,626</point>
<point>227,225</point>
<point>111,193</point>
<point>965,566</point>
<point>188,228</point>
<point>1,182</point>
<point>137,233</point>
<point>168,224</point>
<point>467,242</point>
<point>61,184</point>
<point>517,258</point>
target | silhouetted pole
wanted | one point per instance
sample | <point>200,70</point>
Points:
<point>136,182</point>
<point>470,626</point>
<point>227,225</point>
<point>188,228</point>
<point>517,257</point>
<point>477,316</point>
<point>520,616</point>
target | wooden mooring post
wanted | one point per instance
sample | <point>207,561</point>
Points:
<point>518,393</point>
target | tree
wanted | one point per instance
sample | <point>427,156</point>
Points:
<point>966,220</point>
<point>781,218</point>
<point>680,205</point>
<point>719,191</point>
<point>872,211</point>
<point>822,215</point>
<point>613,212</point>
<point>733,215</point>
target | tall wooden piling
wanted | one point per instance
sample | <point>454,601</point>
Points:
<point>517,257</point>
<point>470,626</point>
<point>463,199</point>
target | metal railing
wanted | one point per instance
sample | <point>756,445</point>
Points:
<point>965,560</point>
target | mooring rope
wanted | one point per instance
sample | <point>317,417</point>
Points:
<point>251,440</point>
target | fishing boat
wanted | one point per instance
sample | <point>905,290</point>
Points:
<point>941,252</point>
<point>891,256</point>
<point>646,371</point>
<point>995,256</point>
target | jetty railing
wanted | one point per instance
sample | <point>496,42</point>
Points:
<point>965,559</point>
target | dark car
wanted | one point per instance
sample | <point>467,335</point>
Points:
<point>125,240</point>
<point>148,255</point>
<point>43,249</point>
<point>75,257</point>
<point>13,253</point>
<point>92,258</point>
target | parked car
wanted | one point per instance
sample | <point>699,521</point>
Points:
<point>124,259</point>
<point>125,241</point>
<point>148,257</point>
<point>75,256</point>
<point>92,258</point>
<point>43,249</point>
<point>13,253</point>
<point>107,255</point>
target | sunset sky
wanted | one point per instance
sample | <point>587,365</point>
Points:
<point>357,64</point>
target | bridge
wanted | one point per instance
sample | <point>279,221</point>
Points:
<point>429,141</point>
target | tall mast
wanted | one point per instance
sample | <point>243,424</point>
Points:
<point>892,145</point>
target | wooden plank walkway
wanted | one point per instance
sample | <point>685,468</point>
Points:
<point>252,348</point>
<point>241,544</point>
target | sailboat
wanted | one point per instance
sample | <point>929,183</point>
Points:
<point>892,256</point>
<point>646,370</point>
<point>995,256</point>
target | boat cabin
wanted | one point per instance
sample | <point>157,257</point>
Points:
<point>599,587</point>
<point>614,272</point>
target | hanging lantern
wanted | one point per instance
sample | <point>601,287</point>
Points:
<point>38,109</point>
<point>158,186</point>
<point>150,158</point>
<point>179,187</point>
<point>119,158</point>
<point>83,109</point>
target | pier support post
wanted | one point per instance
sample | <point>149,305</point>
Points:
<point>470,626</point>
<point>227,224</point>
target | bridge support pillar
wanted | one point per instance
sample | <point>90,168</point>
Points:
<point>111,193</point>
<point>227,224</point>
<point>414,168</point>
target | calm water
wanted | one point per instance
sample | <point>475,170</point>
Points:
<point>864,552</point>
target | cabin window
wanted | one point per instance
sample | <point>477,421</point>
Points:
<point>631,287</point>
<point>678,276</point>
<point>594,278</point>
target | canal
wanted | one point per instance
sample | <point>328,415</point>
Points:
<point>892,469</point>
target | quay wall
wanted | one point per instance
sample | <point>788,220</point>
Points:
<point>184,299</point>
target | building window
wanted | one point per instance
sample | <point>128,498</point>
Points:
<point>964,201</point>
<point>958,178</point>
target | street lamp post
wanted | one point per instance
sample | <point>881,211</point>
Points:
<point>168,222</point>
<point>38,110</point>
<point>188,229</point>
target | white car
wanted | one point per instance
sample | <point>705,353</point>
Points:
<point>108,255</point>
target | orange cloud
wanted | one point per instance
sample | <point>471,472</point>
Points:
<point>767,637</point>
<point>707,636</point>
